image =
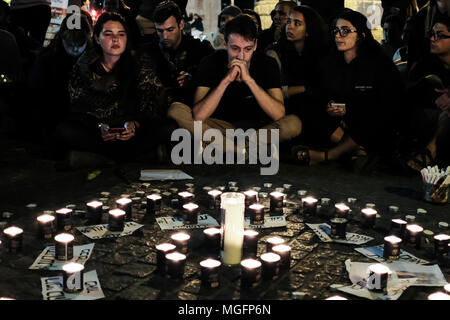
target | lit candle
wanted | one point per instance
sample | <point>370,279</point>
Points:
<point>369,217</point>
<point>125,205</point>
<point>284,252</point>
<point>441,242</point>
<point>175,263</point>
<point>181,241</point>
<point>447,288</point>
<point>309,206</point>
<point>212,242</point>
<point>438,296</point>
<point>270,266</point>
<point>13,239</point>
<point>232,225</point>
<point>272,242</point>
<point>398,228</point>
<point>161,251</point>
<point>73,280</point>
<point>190,213</point>
<point>378,278</point>
<point>64,246</point>
<point>341,210</point>
<point>214,199</point>
<point>250,247</point>
<point>210,273</point>
<point>116,220</point>
<point>256,214</point>
<point>64,219</point>
<point>392,247</point>
<point>184,198</point>
<point>338,228</point>
<point>251,197</point>
<point>414,235</point>
<point>276,203</point>
<point>46,226</point>
<point>94,212</point>
<point>336,298</point>
<point>393,209</point>
<point>250,272</point>
<point>153,203</point>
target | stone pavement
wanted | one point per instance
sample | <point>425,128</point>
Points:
<point>126,266</point>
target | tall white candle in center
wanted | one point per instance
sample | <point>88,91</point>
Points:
<point>232,211</point>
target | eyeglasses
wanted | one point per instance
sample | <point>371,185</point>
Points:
<point>438,35</point>
<point>343,32</point>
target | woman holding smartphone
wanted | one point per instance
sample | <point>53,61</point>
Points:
<point>118,104</point>
<point>362,92</point>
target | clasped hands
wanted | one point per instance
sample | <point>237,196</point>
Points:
<point>443,102</point>
<point>238,71</point>
<point>129,132</point>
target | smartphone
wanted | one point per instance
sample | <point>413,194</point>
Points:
<point>116,130</point>
<point>338,106</point>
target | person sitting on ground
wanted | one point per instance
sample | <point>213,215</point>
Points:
<point>392,35</point>
<point>368,87</point>
<point>179,54</point>
<point>228,13</point>
<point>118,104</point>
<point>428,92</point>
<point>238,88</point>
<point>299,58</point>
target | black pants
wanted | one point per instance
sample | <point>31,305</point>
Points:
<point>33,20</point>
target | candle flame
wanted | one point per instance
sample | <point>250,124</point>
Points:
<point>215,193</point>
<point>64,211</point>
<point>211,231</point>
<point>13,231</point>
<point>309,200</point>
<point>393,239</point>
<point>439,296</point>
<point>336,298</point>
<point>190,206</point>
<point>117,212</point>
<point>123,201</point>
<point>442,237</point>
<point>180,236</point>
<point>275,240</point>
<point>250,263</point>
<point>270,257</point>
<point>251,233</point>
<point>94,204</point>
<point>176,256</point>
<point>399,221</point>
<point>277,194</point>
<point>369,211</point>
<point>45,218</point>
<point>281,248</point>
<point>251,193</point>
<point>210,263</point>
<point>185,194</point>
<point>341,207</point>
<point>256,206</point>
<point>154,197</point>
<point>379,268</point>
<point>73,267</point>
<point>165,246</point>
<point>64,237</point>
<point>414,228</point>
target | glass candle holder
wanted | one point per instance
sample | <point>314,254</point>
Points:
<point>309,205</point>
<point>13,239</point>
<point>284,252</point>
<point>175,263</point>
<point>46,226</point>
<point>250,272</point>
<point>125,204</point>
<point>232,225</point>
<point>251,197</point>
<point>338,228</point>
<point>250,247</point>
<point>391,247</point>
<point>256,214</point>
<point>276,203</point>
<point>270,265</point>
<point>378,278</point>
<point>273,241</point>
<point>73,280</point>
<point>94,212</point>
<point>441,242</point>
<point>64,246</point>
<point>209,269</point>
<point>212,242</point>
<point>190,213</point>
<point>161,251</point>
<point>153,203</point>
<point>64,219</point>
<point>181,241</point>
<point>116,220</point>
<point>398,228</point>
<point>368,217</point>
<point>214,199</point>
<point>414,235</point>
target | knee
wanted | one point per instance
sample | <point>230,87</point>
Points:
<point>178,110</point>
<point>290,127</point>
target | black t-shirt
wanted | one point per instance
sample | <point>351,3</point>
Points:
<point>238,102</point>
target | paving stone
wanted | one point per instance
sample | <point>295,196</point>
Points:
<point>186,296</point>
<point>118,259</point>
<point>139,292</point>
<point>150,258</point>
<point>117,283</point>
<point>137,270</point>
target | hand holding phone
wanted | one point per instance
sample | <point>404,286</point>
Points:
<point>336,109</point>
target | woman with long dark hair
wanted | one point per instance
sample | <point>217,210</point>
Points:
<point>361,90</point>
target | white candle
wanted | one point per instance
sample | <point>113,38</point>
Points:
<point>336,298</point>
<point>233,207</point>
<point>438,296</point>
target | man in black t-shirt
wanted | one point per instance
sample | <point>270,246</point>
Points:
<point>238,88</point>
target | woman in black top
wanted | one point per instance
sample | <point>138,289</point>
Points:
<point>368,87</point>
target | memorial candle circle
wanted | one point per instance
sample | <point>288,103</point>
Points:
<point>270,262</point>
<point>284,252</point>
<point>175,263</point>
<point>391,247</point>
<point>46,226</point>
<point>116,220</point>
<point>13,239</point>
<point>398,228</point>
<point>273,241</point>
<point>190,213</point>
<point>256,214</point>
<point>125,205</point>
<point>441,242</point>
<point>341,210</point>
<point>250,247</point>
<point>184,198</point>
<point>64,219</point>
<point>276,203</point>
<point>368,217</point>
<point>153,203</point>
<point>309,206</point>
<point>251,197</point>
<point>94,212</point>
<point>73,280</point>
<point>161,251</point>
<point>214,199</point>
<point>64,246</point>
<point>250,272</point>
<point>414,235</point>
<point>210,273</point>
<point>181,240</point>
<point>212,241</point>
<point>378,278</point>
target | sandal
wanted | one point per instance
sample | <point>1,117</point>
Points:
<point>301,155</point>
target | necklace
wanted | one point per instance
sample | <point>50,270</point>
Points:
<point>106,67</point>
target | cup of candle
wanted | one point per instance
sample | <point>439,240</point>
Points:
<point>250,247</point>
<point>284,252</point>
<point>175,263</point>
<point>153,203</point>
<point>214,199</point>
<point>309,206</point>
<point>441,242</point>
<point>338,228</point>
<point>64,219</point>
<point>210,273</point>
<point>125,205</point>
<point>438,296</point>
<point>13,239</point>
<point>161,251</point>
<point>94,212</point>
<point>251,197</point>
<point>273,241</point>
<point>190,213</point>
<point>73,280</point>
<point>184,198</point>
<point>256,214</point>
<point>414,235</point>
<point>447,288</point>
<point>391,249</point>
<point>181,240</point>
<point>212,242</point>
<point>368,217</point>
<point>398,228</point>
<point>276,203</point>
<point>116,220</point>
<point>270,265</point>
<point>341,210</point>
<point>250,272</point>
<point>64,246</point>
<point>378,278</point>
<point>46,226</point>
